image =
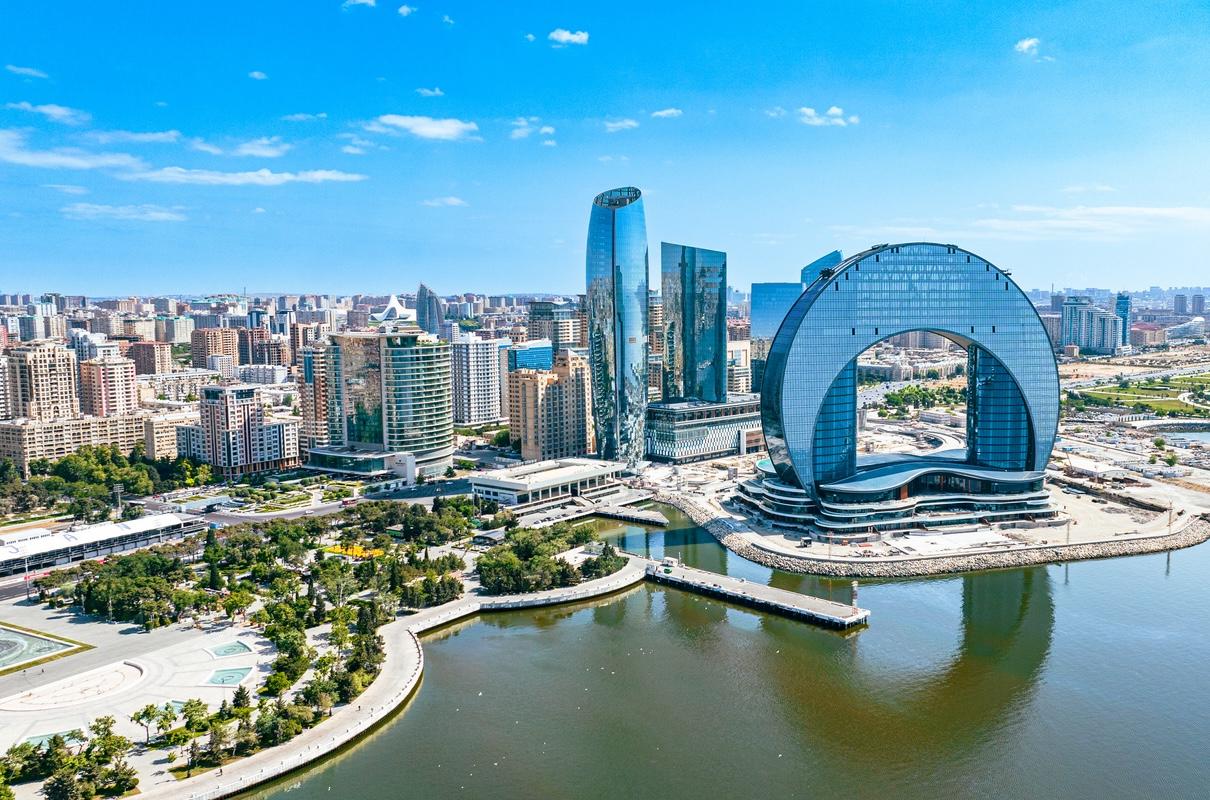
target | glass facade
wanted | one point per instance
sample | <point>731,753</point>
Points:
<point>531,355</point>
<point>694,282</point>
<point>893,289</point>
<point>428,310</point>
<point>616,307</point>
<point>811,271</point>
<point>770,304</point>
<point>1122,309</point>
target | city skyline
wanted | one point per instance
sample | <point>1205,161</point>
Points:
<point>291,164</point>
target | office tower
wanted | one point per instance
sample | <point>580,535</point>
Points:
<point>43,381</point>
<point>1198,305</point>
<point>695,322</point>
<point>655,322</point>
<point>1180,304</point>
<point>107,386</point>
<point>1122,309</point>
<point>150,358</point>
<point>813,270</point>
<point>475,363</point>
<point>428,310</point>
<point>770,304</point>
<point>235,436</point>
<point>616,308</point>
<point>206,342</point>
<point>553,409</point>
<point>389,392</point>
<point>251,342</point>
<point>558,322</point>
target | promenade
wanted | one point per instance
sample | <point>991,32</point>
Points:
<point>400,675</point>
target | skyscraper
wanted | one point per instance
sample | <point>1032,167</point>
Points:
<point>428,310</point>
<point>558,322</point>
<point>552,418</point>
<point>1122,309</point>
<point>616,300</point>
<point>694,282</point>
<point>811,271</point>
<point>475,363</point>
<point>107,386</point>
<point>1180,304</point>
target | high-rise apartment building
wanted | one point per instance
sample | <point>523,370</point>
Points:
<point>655,322</point>
<point>313,397</point>
<point>1198,305</point>
<point>553,416</point>
<point>235,436</point>
<point>1180,304</point>
<point>206,342</point>
<point>475,363</point>
<point>305,334</point>
<point>108,387</point>
<point>251,345</point>
<point>616,308</point>
<point>558,322</point>
<point>174,330</point>
<point>1094,330</point>
<point>42,381</point>
<point>695,323</point>
<point>150,358</point>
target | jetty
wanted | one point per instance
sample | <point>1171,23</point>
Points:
<point>816,610</point>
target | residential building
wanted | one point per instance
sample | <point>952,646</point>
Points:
<point>559,323</point>
<point>1122,309</point>
<point>1180,304</point>
<point>107,386</point>
<point>553,409</point>
<point>224,364</point>
<point>206,342</point>
<point>739,367</point>
<point>235,436</point>
<point>150,358</point>
<point>184,386</point>
<point>43,381</point>
<point>616,304</point>
<point>1094,330</point>
<point>475,363</point>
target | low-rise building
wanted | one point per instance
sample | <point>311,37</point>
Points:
<point>694,430</point>
<point>183,386</point>
<point>548,480</point>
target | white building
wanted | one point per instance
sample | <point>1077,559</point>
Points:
<point>546,481</point>
<point>475,364</point>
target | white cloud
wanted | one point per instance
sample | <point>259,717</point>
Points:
<point>615,125</point>
<point>26,72</point>
<point>1029,46</point>
<point>549,143</point>
<point>55,113</point>
<point>775,112</point>
<point>529,37</point>
<point>546,130</point>
<point>66,188</point>
<point>304,117</point>
<point>351,3</point>
<point>607,159</point>
<point>444,202</point>
<point>1090,187</point>
<point>257,75</point>
<point>264,147</point>
<point>427,127</point>
<point>13,151</point>
<point>563,37</point>
<point>206,147</point>
<point>139,213</point>
<point>260,177</point>
<point>434,92</point>
<point>406,11</point>
<point>834,116</point>
<point>140,137</point>
<point>447,19</point>
<point>523,127</point>
<point>353,150</point>
<point>667,113</point>
<point>258,210</point>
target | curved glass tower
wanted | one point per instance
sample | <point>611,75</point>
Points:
<point>616,306</point>
<point>428,310</point>
<point>809,410</point>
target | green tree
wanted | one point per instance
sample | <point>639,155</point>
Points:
<point>146,716</point>
<point>63,785</point>
<point>220,740</point>
<point>195,713</point>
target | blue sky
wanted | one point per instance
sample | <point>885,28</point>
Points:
<point>314,146</point>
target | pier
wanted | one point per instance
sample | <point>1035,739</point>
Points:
<point>815,610</point>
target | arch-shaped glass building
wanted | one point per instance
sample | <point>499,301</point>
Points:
<point>813,476</point>
<point>616,308</point>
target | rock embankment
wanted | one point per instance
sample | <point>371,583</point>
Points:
<point>1194,533</point>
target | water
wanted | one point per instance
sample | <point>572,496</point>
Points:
<point>17,647</point>
<point>229,677</point>
<point>1079,682</point>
